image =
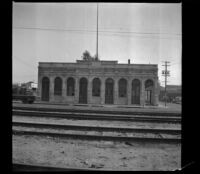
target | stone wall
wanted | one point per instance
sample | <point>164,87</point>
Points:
<point>101,70</point>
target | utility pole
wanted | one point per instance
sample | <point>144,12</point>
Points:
<point>166,74</point>
<point>97,32</point>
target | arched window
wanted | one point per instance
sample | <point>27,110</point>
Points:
<point>58,86</point>
<point>70,86</point>
<point>122,85</point>
<point>148,84</point>
<point>96,84</point>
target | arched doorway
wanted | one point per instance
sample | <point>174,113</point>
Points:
<point>96,87</point>
<point>135,92</point>
<point>122,84</point>
<point>83,90</point>
<point>109,91</point>
<point>45,89</point>
<point>58,86</point>
<point>70,86</point>
<point>149,92</point>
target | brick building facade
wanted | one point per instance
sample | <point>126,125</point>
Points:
<point>98,82</point>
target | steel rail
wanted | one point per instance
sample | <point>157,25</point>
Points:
<point>98,137</point>
<point>98,114</point>
<point>81,116</point>
<point>31,167</point>
<point>153,113</point>
<point>97,128</point>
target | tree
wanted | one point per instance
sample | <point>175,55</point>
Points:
<point>87,56</point>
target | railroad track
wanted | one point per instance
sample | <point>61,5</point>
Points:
<point>130,113</point>
<point>100,138</point>
<point>96,116</point>
<point>30,167</point>
<point>39,129</point>
<point>97,128</point>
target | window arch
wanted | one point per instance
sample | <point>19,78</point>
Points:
<point>122,84</point>
<point>148,83</point>
<point>70,86</point>
<point>96,84</point>
<point>58,86</point>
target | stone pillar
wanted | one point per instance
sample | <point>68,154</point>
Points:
<point>102,93</point>
<point>129,91</point>
<point>89,94</point>
<point>51,89</point>
<point>76,90</point>
<point>142,93</point>
<point>116,95</point>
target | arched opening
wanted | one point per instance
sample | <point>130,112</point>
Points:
<point>109,91</point>
<point>45,89</point>
<point>135,92</point>
<point>96,85</point>
<point>70,86</point>
<point>58,86</point>
<point>149,92</point>
<point>122,88</point>
<point>83,90</point>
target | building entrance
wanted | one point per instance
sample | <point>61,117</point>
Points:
<point>45,89</point>
<point>149,86</point>
<point>135,92</point>
<point>109,91</point>
<point>83,91</point>
<point>148,96</point>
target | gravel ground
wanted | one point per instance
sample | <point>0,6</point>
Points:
<point>95,154</point>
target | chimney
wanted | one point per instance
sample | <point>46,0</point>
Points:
<point>129,61</point>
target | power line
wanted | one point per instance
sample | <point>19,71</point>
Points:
<point>22,61</point>
<point>177,62</point>
<point>117,33</point>
<point>111,31</point>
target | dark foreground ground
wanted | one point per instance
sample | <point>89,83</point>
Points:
<point>97,154</point>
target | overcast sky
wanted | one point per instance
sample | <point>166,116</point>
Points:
<point>61,32</point>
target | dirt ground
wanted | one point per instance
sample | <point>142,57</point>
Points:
<point>95,154</point>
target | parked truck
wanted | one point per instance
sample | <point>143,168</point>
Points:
<point>23,94</point>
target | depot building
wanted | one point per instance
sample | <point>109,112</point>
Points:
<point>98,82</point>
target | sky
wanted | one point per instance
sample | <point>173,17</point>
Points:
<point>60,32</point>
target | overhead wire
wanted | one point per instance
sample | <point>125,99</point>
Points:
<point>111,32</point>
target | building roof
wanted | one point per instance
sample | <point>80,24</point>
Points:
<point>104,63</point>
